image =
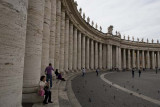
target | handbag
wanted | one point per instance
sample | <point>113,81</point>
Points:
<point>41,92</point>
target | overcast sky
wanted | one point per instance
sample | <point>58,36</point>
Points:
<point>138,18</point>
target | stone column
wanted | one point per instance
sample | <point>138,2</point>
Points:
<point>108,57</point>
<point>13,19</point>
<point>62,36</point>
<point>100,56</point>
<point>148,60</point>
<point>87,53</point>
<point>58,34</point>
<point>133,58</point>
<point>117,59</point>
<point>96,55</point>
<point>158,60</point>
<point>66,42</point>
<point>120,65</point>
<point>138,59</point>
<point>143,66</point>
<point>33,51</point>
<point>46,36</point>
<point>153,61</point>
<point>129,59</point>
<point>104,56</point>
<point>111,56</point>
<point>83,51</point>
<point>124,58</point>
<point>79,50</point>
<point>75,49</point>
<point>52,32</point>
<point>70,46</point>
<point>92,55</point>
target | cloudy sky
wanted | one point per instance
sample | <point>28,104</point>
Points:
<point>138,18</point>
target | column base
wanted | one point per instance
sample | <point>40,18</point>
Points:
<point>32,98</point>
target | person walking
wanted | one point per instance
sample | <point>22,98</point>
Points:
<point>97,71</point>
<point>132,72</point>
<point>139,72</point>
<point>83,72</point>
<point>48,72</point>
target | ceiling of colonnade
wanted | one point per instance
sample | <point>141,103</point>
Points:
<point>138,18</point>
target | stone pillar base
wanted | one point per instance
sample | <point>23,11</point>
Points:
<point>32,98</point>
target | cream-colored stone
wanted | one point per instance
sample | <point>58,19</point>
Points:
<point>46,35</point>
<point>100,56</point>
<point>66,51</point>
<point>83,51</point>
<point>79,51</point>
<point>104,59</point>
<point>33,50</point>
<point>70,46</point>
<point>52,32</point>
<point>92,55</point>
<point>13,19</point>
<point>87,53</point>
<point>58,33</point>
<point>61,64</point>
<point>75,49</point>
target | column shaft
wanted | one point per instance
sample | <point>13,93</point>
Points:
<point>138,59</point>
<point>143,64</point>
<point>96,55</point>
<point>148,60</point>
<point>46,35</point>
<point>92,55</point>
<point>66,51</point>
<point>120,64</point>
<point>79,50</point>
<point>58,34</point>
<point>33,50</point>
<point>13,19</point>
<point>104,56</point>
<point>70,46</point>
<point>100,56</point>
<point>108,57</point>
<point>75,49</point>
<point>87,53</point>
<point>133,58</point>
<point>61,63</point>
<point>153,60</point>
<point>111,56</point>
<point>124,58</point>
<point>52,32</point>
<point>158,60</point>
<point>83,51</point>
<point>117,59</point>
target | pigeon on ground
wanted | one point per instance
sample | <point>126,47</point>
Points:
<point>90,100</point>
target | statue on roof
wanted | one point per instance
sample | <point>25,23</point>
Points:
<point>116,33</point>
<point>138,39</point>
<point>152,41</point>
<point>96,26</point>
<point>88,19</point>
<point>92,23</point>
<point>142,40</point>
<point>157,41</point>
<point>84,16</point>
<point>124,37</point>
<point>100,28</point>
<point>110,29</point>
<point>133,38</point>
<point>80,10</point>
<point>128,37</point>
<point>147,40</point>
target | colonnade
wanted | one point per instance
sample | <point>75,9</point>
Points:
<point>35,33</point>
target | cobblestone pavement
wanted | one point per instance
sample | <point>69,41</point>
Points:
<point>91,91</point>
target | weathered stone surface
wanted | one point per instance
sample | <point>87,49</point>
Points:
<point>46,35</point>
<point>13,18</point>
<point>33,50</point>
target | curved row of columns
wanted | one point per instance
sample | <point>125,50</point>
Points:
<point>45,34</point>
